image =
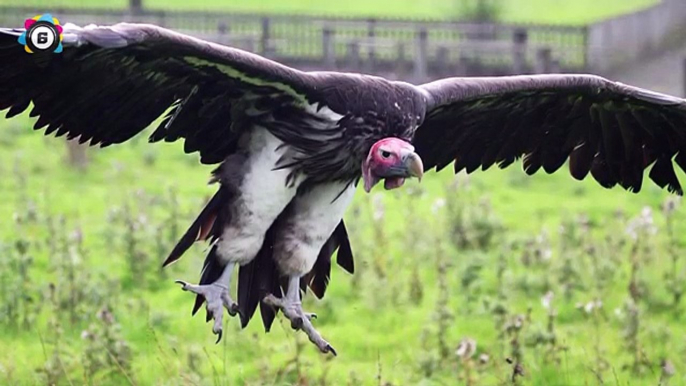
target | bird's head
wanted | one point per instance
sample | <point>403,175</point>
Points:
<point>392,160</point>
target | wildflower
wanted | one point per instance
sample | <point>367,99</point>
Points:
<point>76,236</point>
<point>584,223</point>
<point>667,367</point>
<point>619,312</point>
<point>642,225</point>
<point>670,205</point>
<point>547,300</point>
<point>483,359</point>
<point>466,348</point>
<point>106,316</point>
<point>438,205</point>
<point>378,207</point>
<point>593,305</point>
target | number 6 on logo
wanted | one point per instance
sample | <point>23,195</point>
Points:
<point>43,35</point>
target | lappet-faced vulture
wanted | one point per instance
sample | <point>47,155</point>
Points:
<point>291,146</point>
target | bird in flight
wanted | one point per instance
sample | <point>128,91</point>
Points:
<point>292,146</point>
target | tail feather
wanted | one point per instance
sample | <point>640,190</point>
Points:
<point>261,276</point>
<point>257,279</point>
<point>345,253</point>
<point>208,224</point>
<point>247,300</point>
<point>202,227</point>
<point>318,279</point>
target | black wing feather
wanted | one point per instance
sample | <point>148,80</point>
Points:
<point>610,130</point>
<point>110,83</point>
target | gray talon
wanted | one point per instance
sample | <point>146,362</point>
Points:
<point>300,320</point>
<point>216,299</point>
<point>184,285</point>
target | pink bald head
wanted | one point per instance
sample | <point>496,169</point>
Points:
<point>393,160</point>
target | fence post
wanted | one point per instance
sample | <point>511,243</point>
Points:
<point>400,59</point>
<point>519,40</point>
<point>161,18</point>
<point>136,6</point>
<point>420,58</point>
<point>371,33</point>
<point>329,47</point>
<point>354,55</point>
<point>265,36</point>
<point>222,29</point>
<point>442,60</point>
<point>544,60</point>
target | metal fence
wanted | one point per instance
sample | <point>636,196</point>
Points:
<point>411,50</point>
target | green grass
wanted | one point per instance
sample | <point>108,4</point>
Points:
<point>518,11</point>
<point>379,329</point>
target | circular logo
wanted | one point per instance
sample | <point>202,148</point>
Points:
<point>42,36</point>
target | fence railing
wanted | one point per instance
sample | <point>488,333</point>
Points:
<point>414,50</point>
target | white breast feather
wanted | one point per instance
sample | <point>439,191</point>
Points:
<point>264,195</point>
<point>314,219</point>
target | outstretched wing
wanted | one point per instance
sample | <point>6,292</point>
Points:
<point>110,83</point>
<point>613,130</point>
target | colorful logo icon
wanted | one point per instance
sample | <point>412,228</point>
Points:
<point>43,35</point>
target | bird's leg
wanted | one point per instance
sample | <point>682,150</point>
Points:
<point>291,307</point>
<point>216,295</point>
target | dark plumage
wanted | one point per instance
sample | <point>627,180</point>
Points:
<point>609,129</point>
<point>291,146</point>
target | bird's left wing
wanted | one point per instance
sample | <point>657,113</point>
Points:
<point>111,82</point>
<point>613,130</point>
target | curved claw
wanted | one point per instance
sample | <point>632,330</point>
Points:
<point>184,285</point>
<point>230,305</point>
<point>330,349</point>
<point>216,299</point>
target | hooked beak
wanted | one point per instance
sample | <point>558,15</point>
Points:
<point>413,164</point>
<point>410,165</point>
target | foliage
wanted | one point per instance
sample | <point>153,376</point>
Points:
<point>479,10</point>
<point>477,280</point>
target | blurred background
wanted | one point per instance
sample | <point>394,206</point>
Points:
<point>493,278</point>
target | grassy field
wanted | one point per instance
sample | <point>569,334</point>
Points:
<point>451,260</point>
<point>520,11</point>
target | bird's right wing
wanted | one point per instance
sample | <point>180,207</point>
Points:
<point>112,82</point>
<point>612,130</point>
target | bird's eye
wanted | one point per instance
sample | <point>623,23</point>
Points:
<point>385,154</point>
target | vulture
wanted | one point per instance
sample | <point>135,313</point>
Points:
<point>290,147</point>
